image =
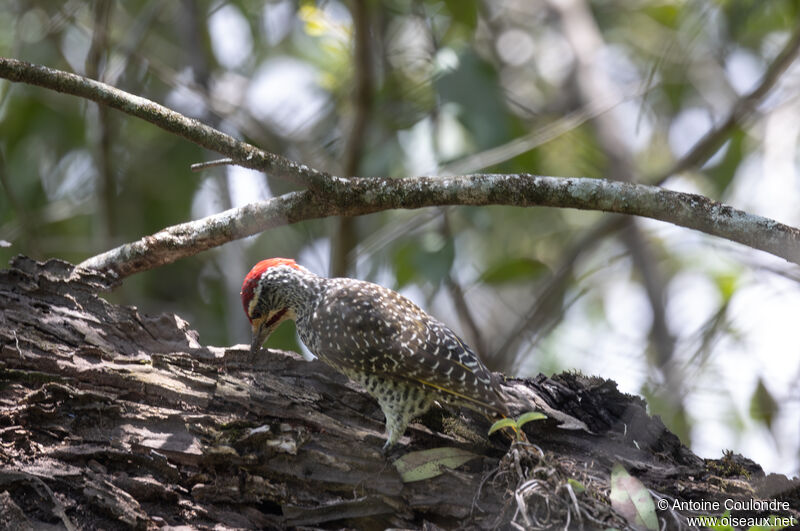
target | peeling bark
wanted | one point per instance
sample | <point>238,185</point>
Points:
<point>118,420</point>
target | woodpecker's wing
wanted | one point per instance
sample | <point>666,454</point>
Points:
<point>454,368</point>
<point>381,332</point>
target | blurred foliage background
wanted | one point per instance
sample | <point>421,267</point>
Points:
<point>705,329</point>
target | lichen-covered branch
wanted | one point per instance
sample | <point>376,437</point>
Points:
<point>242,153</point>
<point>358,196</point>
<point>330,196</point>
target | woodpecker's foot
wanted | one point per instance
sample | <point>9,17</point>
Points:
<point>393,452</point>
<point>390,447</point>
<point>385,449</point>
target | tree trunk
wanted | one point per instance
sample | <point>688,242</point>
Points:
<point>115,419</point>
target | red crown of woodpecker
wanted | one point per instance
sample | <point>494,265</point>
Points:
<point>252,278</point>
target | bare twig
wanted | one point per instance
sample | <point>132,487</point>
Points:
<point>200,166</point>
<point>358,196</point>
<point>243,153</point>
<point>540,135</point>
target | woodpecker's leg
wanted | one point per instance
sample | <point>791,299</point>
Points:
<point>400,403</point>
<point>394,410</point>
<point>395,427</point>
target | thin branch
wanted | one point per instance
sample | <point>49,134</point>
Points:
<point>330,196</point>
<point>243,153</point>
<point>345,239</point>
<point>705,148</point>
<point>459,298</point>
<point>549,307</point>
<point>539,136</point>
<point>200,166</point>
<point>583,34</point>
<point>358,196</point>
<point>654,281</point>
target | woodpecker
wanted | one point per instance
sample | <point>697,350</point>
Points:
<point>402,356</point>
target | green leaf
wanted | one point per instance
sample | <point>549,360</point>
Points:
<point>514,270</point>
<point>529,416</point>
<point>502,423</point>
<point>403,262</point>
<point>428,258</point>
<point>726,285</point>
<point>464,11</point>
<point>630,498</point>
<point>434,257</point>
<point>762,406</point>
<point>734,151</point>
<point>576,485</point>
<point>474,85</point>
<point>667,13</point>
<point>426,464</point>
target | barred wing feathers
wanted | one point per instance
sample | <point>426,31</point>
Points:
<point>381,332</point>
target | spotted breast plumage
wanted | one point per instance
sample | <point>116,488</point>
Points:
<point>402,356</point>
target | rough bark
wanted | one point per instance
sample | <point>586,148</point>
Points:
<point>114,419</point>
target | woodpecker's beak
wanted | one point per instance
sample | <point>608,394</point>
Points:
<point>262,328</point>
<point>261,331</point>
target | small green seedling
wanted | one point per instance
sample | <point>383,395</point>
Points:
<point>517,423</point>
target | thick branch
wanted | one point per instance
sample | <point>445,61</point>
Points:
<point>358,196</point>
<point>243,153</point>
<point>114,419</point>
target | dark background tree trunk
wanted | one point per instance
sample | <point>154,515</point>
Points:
<point>115,419</point>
